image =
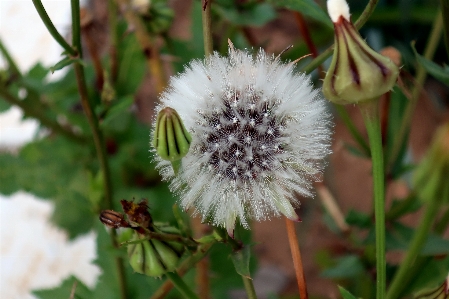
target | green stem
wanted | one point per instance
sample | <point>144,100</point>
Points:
<point>52,29</point>
<point>97,136</point>
<point>370,113</point>
<point>445,12</point>
<point>421,74</point>
<point>207,27</point>
<point>181,285</point>
<point>249,287</point>
<point>11,63</point>
<point>40,115</point>
<point>358,24</point>
<point>403,275</point>
<point>344,116</point>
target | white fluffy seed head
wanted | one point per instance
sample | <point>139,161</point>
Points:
<point>337,8</point>
<point>259,133</point>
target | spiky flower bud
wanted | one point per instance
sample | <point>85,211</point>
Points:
<point>357,73</point>
<point>171,139</point>
<point>152,257</point>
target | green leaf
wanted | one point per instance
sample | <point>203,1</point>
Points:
<point>347,267</point>
<point>63,63</point>
<point>307,7</point>
<point>240,259</point>
<point>359,219</point>
<point>345,293</point>
<point>253,14</point>
<point>69,285</point>
<point>432,68</point>
<point>122,106</point>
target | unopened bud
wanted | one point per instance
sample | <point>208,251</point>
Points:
<point>357,73</point>
<point>171,139</point>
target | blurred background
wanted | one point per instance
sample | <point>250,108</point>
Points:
<point>50,189</point>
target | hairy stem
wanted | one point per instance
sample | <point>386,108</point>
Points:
<point>296,256</point>
<point>207,27</point>
<point>358,24</point>
<point>421,75</point>
<point>52,29</point>
<point>370,113</point>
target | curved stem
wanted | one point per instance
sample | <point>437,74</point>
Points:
<point>182,287</point>
<point>52,29</point>
<point>370,113</point>
<point>207,27</point>
<point>358,24</point>
<point>421,74</point>
<point>249,287</point>
<point>296,256</point>
<point>402,276</point>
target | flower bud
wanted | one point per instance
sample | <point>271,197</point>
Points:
<point>113,219</point>
<point>171,139</point>
<point>152,257</point>
<point>357,73</point>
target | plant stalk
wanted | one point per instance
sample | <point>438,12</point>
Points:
<point>181,285</point>
<point>11,63</point>
<point>52,29</point>
<point>249,287</point>
<point>370,113</point>
<point>296,256</point>
<point>207,27</point>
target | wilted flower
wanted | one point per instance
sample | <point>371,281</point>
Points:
<point>259,134</point>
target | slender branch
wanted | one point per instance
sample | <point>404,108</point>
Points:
<point>97,136</point>
<point>421,75</point>
<point>370,113</point>
<point>40,115</point>
<point>296,256</point>
<point>11,63</point>
<point>182,287</point>
<point>52,29</point>
<point>191,261</point>
<point>358,24</point>
<point>207,27</point>
<point>249,287</point>
<point>149,49</point>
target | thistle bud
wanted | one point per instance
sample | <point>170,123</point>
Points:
<point>357,73</point>
<point>171,139</point>
<point>152,257</point>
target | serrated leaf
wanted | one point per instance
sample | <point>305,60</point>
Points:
<point>240,259</point>
<point>345,293</point>
<point>69,285</point>
<point>307,7</point>
<point>432,68</point>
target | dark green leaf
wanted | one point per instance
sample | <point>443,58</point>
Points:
<point>347,267</point>
<point>434,69</point>
<point>240,259</point>
<point>359,219</point>
<point>355,151</point>
<point>69,285</point>
<point>345,293</point>
<point>119,109</point>
<point>255,14</point>
<point>307,7</point>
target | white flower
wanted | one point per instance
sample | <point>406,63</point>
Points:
<point>259,132</point>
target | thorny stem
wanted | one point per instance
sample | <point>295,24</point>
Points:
<point>249,287</point>
<point>97,136</point>
<point>296,256</point>
<point>421,74</point>
<point>38,114</point>
<point>191,261</point>
<point>147,44</point>
<point>182,287</point>
<point>370,113</point>
<point>358,24</point>
<point>207,27</point>
<point>51,28</point>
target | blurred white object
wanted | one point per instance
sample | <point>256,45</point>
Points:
<point>34,253</point>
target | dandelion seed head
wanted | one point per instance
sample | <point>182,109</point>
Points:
<point>260,133</point>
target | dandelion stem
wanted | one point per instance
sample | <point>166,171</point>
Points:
<point>296,256</point>
<point>370,113</point>
<point>358,24</point>
<point>404,274</point>
<point>207,27</point>
<point>182,287</point>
